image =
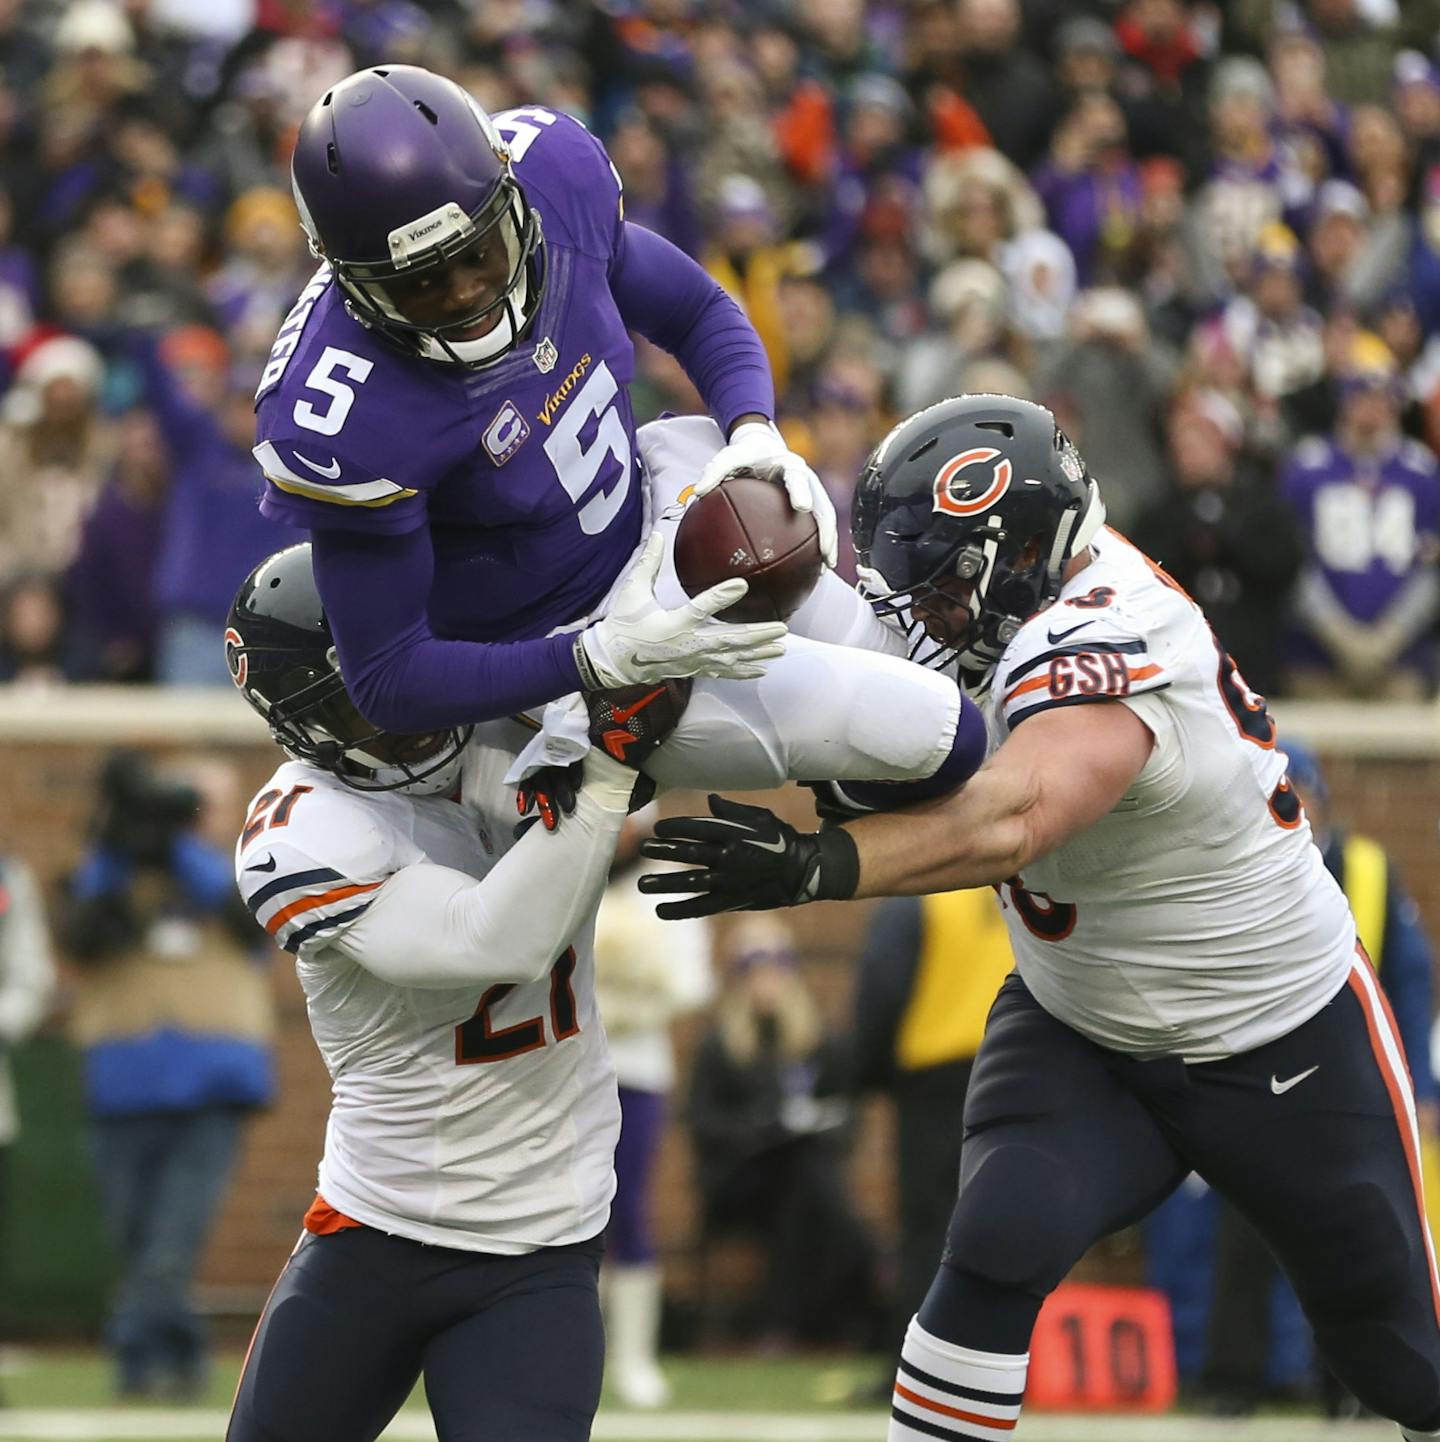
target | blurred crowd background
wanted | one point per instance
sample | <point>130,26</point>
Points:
<point>1208,236</point>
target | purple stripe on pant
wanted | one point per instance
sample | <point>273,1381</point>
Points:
<point>642,1117</point>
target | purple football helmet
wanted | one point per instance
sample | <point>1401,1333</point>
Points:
<point>405,188</point>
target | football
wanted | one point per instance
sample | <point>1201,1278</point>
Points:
<point>745,527</point>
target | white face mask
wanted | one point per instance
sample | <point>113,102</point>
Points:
<point>513,315</point>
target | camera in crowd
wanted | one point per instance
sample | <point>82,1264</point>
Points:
<point>141,812</point>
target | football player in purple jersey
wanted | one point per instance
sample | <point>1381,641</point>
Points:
<point>446,407</point>
<point>446,411</point>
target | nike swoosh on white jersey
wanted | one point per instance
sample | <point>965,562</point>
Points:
<point>330,472</point>
<point>1280,1088</point>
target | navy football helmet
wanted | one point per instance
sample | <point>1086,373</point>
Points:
<point>405,188</point>
<point>282,657</point>
<point>965,517</point>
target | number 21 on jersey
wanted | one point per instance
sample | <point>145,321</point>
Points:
<point>480,1040</point>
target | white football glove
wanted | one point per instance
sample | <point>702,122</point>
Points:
<point>759,441</point>
<point>640,641</point>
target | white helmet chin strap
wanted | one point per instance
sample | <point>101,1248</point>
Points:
<point>513,315</point>
<point>490,345</point>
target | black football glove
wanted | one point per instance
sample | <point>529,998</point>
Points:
<point>547,796</point>
<point>744,858</point>
<point>629,722</point>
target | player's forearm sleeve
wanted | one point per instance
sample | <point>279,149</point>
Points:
<point>399,673</point>
<point>670,300</point>
<point>434,927</point>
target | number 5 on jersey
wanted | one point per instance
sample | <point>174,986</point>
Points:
<point>341,397</point>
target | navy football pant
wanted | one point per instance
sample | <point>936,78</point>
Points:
<point>1311,1137</point>
<point>511,1348</point>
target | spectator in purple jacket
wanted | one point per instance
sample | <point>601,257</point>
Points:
<point>214,534</point>
<point>110,587</point>
<point>1368,500</point>
<point>255,287</point>
<point>657,188</point>
<point>1091,186</point>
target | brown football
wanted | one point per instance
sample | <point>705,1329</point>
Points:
<point>745,527</point>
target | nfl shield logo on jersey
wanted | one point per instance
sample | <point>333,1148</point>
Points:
<point>545,356</point>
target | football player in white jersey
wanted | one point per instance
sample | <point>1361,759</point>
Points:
<point>449,979</point>
<point>1189,992</point>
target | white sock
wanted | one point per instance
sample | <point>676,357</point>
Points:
<point>951,1392</point>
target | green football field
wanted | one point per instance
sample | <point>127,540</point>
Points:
<point>64,1396</point>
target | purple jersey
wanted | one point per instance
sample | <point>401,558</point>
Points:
<point>454,509</point>
<point>1371,524</point>
<point>524,470</point>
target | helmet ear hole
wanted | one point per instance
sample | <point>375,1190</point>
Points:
<point>983,489</point>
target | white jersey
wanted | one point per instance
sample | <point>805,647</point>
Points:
<point>468,1112</point>
<point>1196,919</point>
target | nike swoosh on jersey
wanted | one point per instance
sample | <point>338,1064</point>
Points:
<point>1055,637</point>
<point>330,472</point>
<point>1281,1087</point>
<point>263,865</point>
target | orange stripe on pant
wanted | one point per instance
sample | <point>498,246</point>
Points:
<point>1381,1025</point>
<point>1001,1424</point>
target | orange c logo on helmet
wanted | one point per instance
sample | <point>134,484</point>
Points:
<point>970,502</point>
<point>235,657</point>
